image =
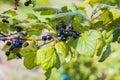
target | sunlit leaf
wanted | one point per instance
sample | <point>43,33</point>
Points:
<point>86,44</point>
<point>47,58</point>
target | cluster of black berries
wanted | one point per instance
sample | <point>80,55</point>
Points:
<point>18,43</point>
<point>48,37</point>
<point>27,3</point>
<point>65,33</point>
<point>5,21</point>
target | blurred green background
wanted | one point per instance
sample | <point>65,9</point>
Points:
<point>83,68</point>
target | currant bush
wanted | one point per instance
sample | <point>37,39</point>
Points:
<point>64,32</point>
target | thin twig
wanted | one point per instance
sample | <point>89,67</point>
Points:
<point>45,43</point>
<point>2,34</point>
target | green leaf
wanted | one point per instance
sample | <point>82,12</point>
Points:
<point>109,2</point>
<point>92,2</point>
<point>118,40</point>
<point>11,12</point>
<point>106,53</point>
<point>64,9</point>
<point>86,44</point>
<point>116,34</point>
<point>4,27</point>
<point>33,2</point>
<point>108,11</point>
<point>47,74</point>
<point>72,14</point>
<point>62,48</point>
<point>43,3</point>
<point>36,28</point>
<point>103,50</point>
<point>31,16</point>
<point>47,58</point>
<point>115,13</point>
<point>29,54</point>
<point>47,10</point>
<point>105,16</point>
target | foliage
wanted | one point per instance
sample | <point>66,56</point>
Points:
<point>64,33</point>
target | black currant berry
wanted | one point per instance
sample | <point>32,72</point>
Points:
<point>63,38</point>
<point>21,42</point>
<point>77,33</point>
<point>27,3</point>
<point>11,48</point>
<point>49,37</point>
<point>25,44</point>
<point>17,44</point>
<point>8,43</point>
<point>5,21</point>
<point>59,34</point>
<point>70,33</point>
<point>18,55</point>
<point>7,53</point>
<point>70,28</point>
<point>74,35</point>
<point>44,38</point>
<point>62,30</point>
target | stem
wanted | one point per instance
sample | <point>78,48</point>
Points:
<point>45,43</point>
<point>2,34</point>
<point>16,4</point>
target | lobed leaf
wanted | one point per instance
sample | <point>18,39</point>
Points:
<point>47,58</point>
<point>86,44</point>
<point>62,48</point>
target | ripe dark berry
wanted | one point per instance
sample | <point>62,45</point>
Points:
<point>49,37</point>
<point>25,44</point>
<point>70,33</point>
<point>27,3</point>
<point>7,53</point>
<point>63,38</point>
<point>62,30</point>
<point>70,28</point>
<point>44,38</point>
<point>5,21</point>
<point>77,33</point>
<point>74,35</point>
<point>21,41</point>
<point>59,34</point>
<point>17,44</point>
<point>11,48</point>
<point>8,43</point>
<point>18,55</point>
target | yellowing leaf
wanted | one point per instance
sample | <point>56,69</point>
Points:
<point>115,13</point>
<point>47,58</point>
<point>62,47</point>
